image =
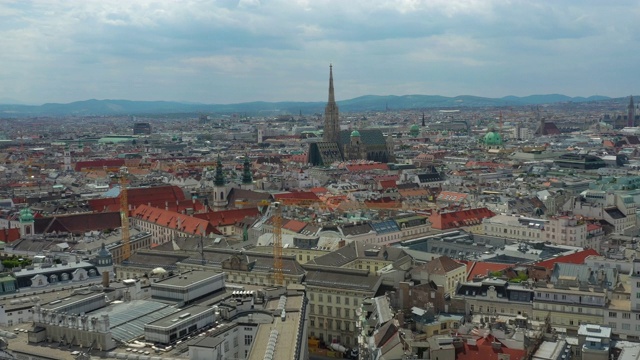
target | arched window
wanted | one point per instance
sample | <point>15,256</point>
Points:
<point>53,278</point>
<point>64,277</point>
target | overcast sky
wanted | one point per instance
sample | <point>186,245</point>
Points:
<point>279,50</point>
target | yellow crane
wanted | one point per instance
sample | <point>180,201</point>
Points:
<point>278,276</point>
<point>124,214</point>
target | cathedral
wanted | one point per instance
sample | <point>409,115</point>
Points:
<point>345,145</point>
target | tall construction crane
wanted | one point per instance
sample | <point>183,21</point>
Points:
<point>278,277</point>
<point>124,214</point>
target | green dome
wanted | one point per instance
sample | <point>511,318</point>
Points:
<point>355,133</point>
<point>26,215</point>
<point>492,139</point>
<point>414,130</point>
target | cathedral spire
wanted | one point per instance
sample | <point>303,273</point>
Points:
<point>332,98</point>
<point>331,115</point>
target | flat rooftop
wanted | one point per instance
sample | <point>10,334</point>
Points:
<point>187,278</point>
<point>183,314</point>
<point>286,336</point>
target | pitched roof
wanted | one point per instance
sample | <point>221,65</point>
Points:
<point>481,268</point>
<point>158,196</point>
<point>296,196</point>
<point>460,218</point>
<point>99,164</point>
<point>77,223</point>
<point>228,217</point>
<point>441,265</point>
<point>294,225</point>
<point>388,184</point>
<point>173,220</point>
<point>9,235</point>
<point>575,258</point>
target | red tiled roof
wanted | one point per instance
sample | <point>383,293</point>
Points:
<point>460,218</point>
<point>294,225</point>
<point>298,195</point>
<point>575,258</point>
<point>77,223</point>
<point>157,196</point>
<point>319,190</point>
<point>99,164</point>
<point>9,235</point>
<point>593,227</point>
<point>228,217</point>
<point>173,220</point>
<point>302,158</point>
<point>484,350</point>
<point>388,184</point>
<point>480,268</point>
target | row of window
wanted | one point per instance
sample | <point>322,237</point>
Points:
<point>330,298</point>
<point>331,324</point>
<point>568,309</point>
<point>339,312</point>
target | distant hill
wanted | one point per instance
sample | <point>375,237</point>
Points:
<point>363,103</point>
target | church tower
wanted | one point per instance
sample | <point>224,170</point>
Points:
<point>26,222</point>
<point>247,177</point>
<point>67,159</point>
<point>331,115</point>
<point>631,116</point>
<point>219,187</point>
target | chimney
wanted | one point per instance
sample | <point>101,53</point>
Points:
<point>341,243</point>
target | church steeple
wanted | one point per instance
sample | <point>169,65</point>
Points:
<point>219,178</point>
<point>423,122</point>
<point>332,98</point>
<point>247,177</point>
<point>331,114</point>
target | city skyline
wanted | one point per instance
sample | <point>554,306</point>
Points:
<point>241,51</point>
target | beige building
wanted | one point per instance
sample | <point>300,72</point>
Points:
<point>334,296</point>
<point>496,297</point>
<point>567,230</point>
<point>569,306</point>
<point>514,227</point>
<point>443,271</point>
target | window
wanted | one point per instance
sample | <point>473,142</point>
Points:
<point>626,327</point>
<point>626,316</point>
<point>248,339</point>
<point>346,301</point>
<point>337,299</point>
<point>612,314</point>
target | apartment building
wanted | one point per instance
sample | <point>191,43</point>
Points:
<point>334,297</point>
